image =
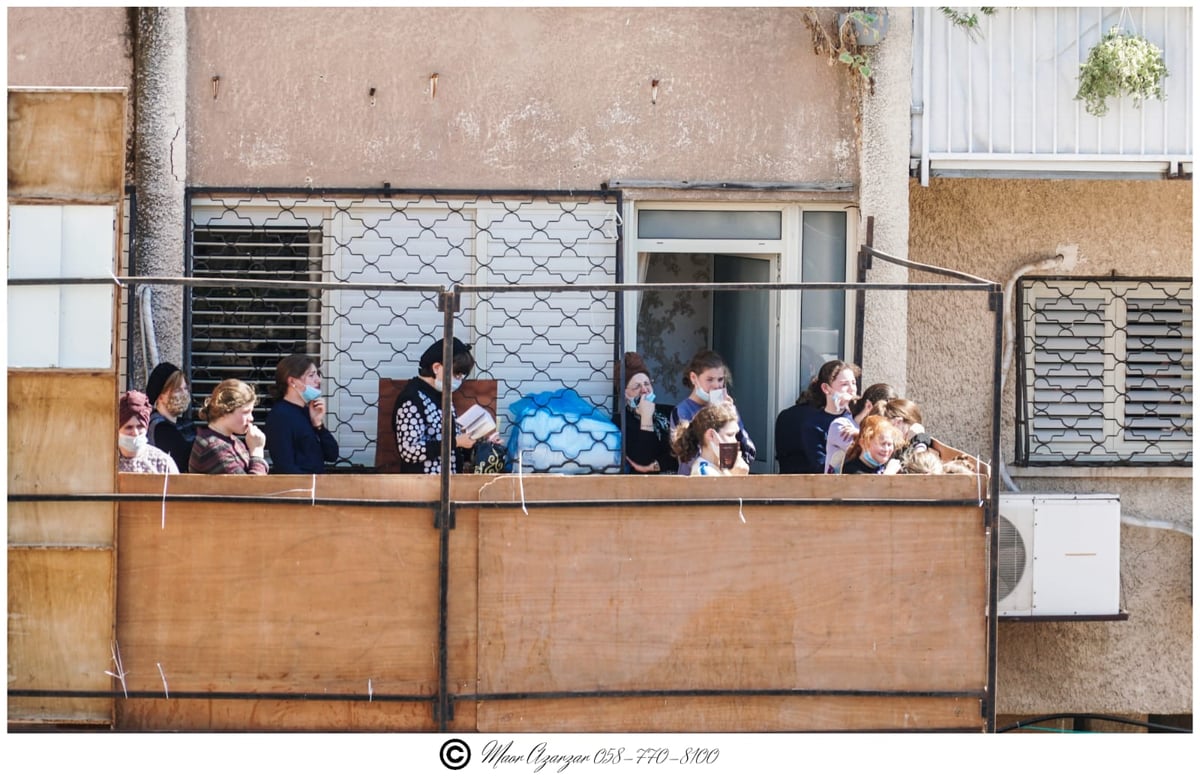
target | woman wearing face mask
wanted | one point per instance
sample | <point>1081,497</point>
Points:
<point>647,423</point>
<point>698,441</point>
<point>801,431</point>
<point>417,416</point>
<point>297,439</point>
<point>169,429</point>
<point>705,376</point>
<point>134,451</point>
<point>218,450</point>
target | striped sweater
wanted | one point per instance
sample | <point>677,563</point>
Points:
<point>215,453</point>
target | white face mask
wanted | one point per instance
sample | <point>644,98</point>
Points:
<point>132,444</point>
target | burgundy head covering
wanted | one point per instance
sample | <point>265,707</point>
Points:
<point>633,365</point>
<point>134,403</point>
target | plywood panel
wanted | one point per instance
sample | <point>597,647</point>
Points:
<point>66,144</point>
<point>765,714</point>
<point>79,524</point>
<point>290,597</point>
<point>275,715</point>
<point>62,417</point>
<point>60,605</point>
<point>559,487</point>
<point>680,598</point>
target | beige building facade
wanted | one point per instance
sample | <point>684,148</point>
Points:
<point>711,110</point>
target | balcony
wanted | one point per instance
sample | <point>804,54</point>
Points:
<point>1000,101</point>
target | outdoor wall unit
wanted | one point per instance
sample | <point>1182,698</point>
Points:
<point>1059,555</point>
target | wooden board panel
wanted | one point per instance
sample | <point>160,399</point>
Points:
<point>290,597</point>
<point>861,598</point>
<point>558,487</point>
<point>79,524</point>
<point>52,416</point>
<point>66,144</point>
<point>60,610</point>
<point>274,715</point>
<point>764,714</point>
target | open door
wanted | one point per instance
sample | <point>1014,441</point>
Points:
<point>741,333</point>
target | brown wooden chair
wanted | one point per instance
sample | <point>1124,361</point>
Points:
<point>387,457</point>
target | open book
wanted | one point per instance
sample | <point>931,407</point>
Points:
<point>477,422</point>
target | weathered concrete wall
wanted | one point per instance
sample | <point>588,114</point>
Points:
<point>73,47</point>
<point>992,228</point>
<point>160,59</point>
<point>68,47</point>
<point>884,175</point>
<point>525,97</point>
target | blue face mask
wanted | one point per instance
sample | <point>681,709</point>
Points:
<point>866,456</point>
<point>455,384</point>
<point>702,394</point>
<point>636,400</point>
<point>309,393</point>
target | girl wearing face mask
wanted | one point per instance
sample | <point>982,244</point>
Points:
<point>170,430</point>
<point>647,431</point>
<point>230,414</point>
<point>872,450</point>
<point>699,441</point>
<point>801,431</point>
<point>134,451</point>
<point>297,439</point>
<point>417,416</point>
<point>705,376</point>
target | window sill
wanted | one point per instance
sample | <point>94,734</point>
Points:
<point>1102,472</point>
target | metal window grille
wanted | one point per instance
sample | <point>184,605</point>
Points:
<point>408,242</point>
<point>1105,375</point>
<point>243,332</point>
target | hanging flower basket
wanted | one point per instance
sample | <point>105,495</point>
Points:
<point>1121,64</point>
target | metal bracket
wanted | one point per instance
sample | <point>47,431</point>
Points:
<point>448,513</point>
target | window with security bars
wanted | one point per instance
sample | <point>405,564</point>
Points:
<point>242,332</point>
<point>1105,374</point>
<point>406,243</point>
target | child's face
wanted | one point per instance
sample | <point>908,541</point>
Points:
<point>843,383</point>
<point>709,379</point>
<point>882,447</point>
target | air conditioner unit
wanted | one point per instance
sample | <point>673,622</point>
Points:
<point>1059,555</point>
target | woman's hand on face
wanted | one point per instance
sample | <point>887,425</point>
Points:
<point>316,412</point>
<point>645,410</point>
<point>256,440</point>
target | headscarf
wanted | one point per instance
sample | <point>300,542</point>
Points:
<point>134,403</point>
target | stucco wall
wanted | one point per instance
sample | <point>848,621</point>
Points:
<point>68,47</point>
<point>991,228</point>
<point>529,97</point>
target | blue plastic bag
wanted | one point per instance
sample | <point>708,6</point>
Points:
<point>558,431</point>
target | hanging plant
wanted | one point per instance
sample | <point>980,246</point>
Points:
<point>1121,64</point>
<point>842,45</point>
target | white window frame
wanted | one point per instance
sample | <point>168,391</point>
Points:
<point>788,250</point>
